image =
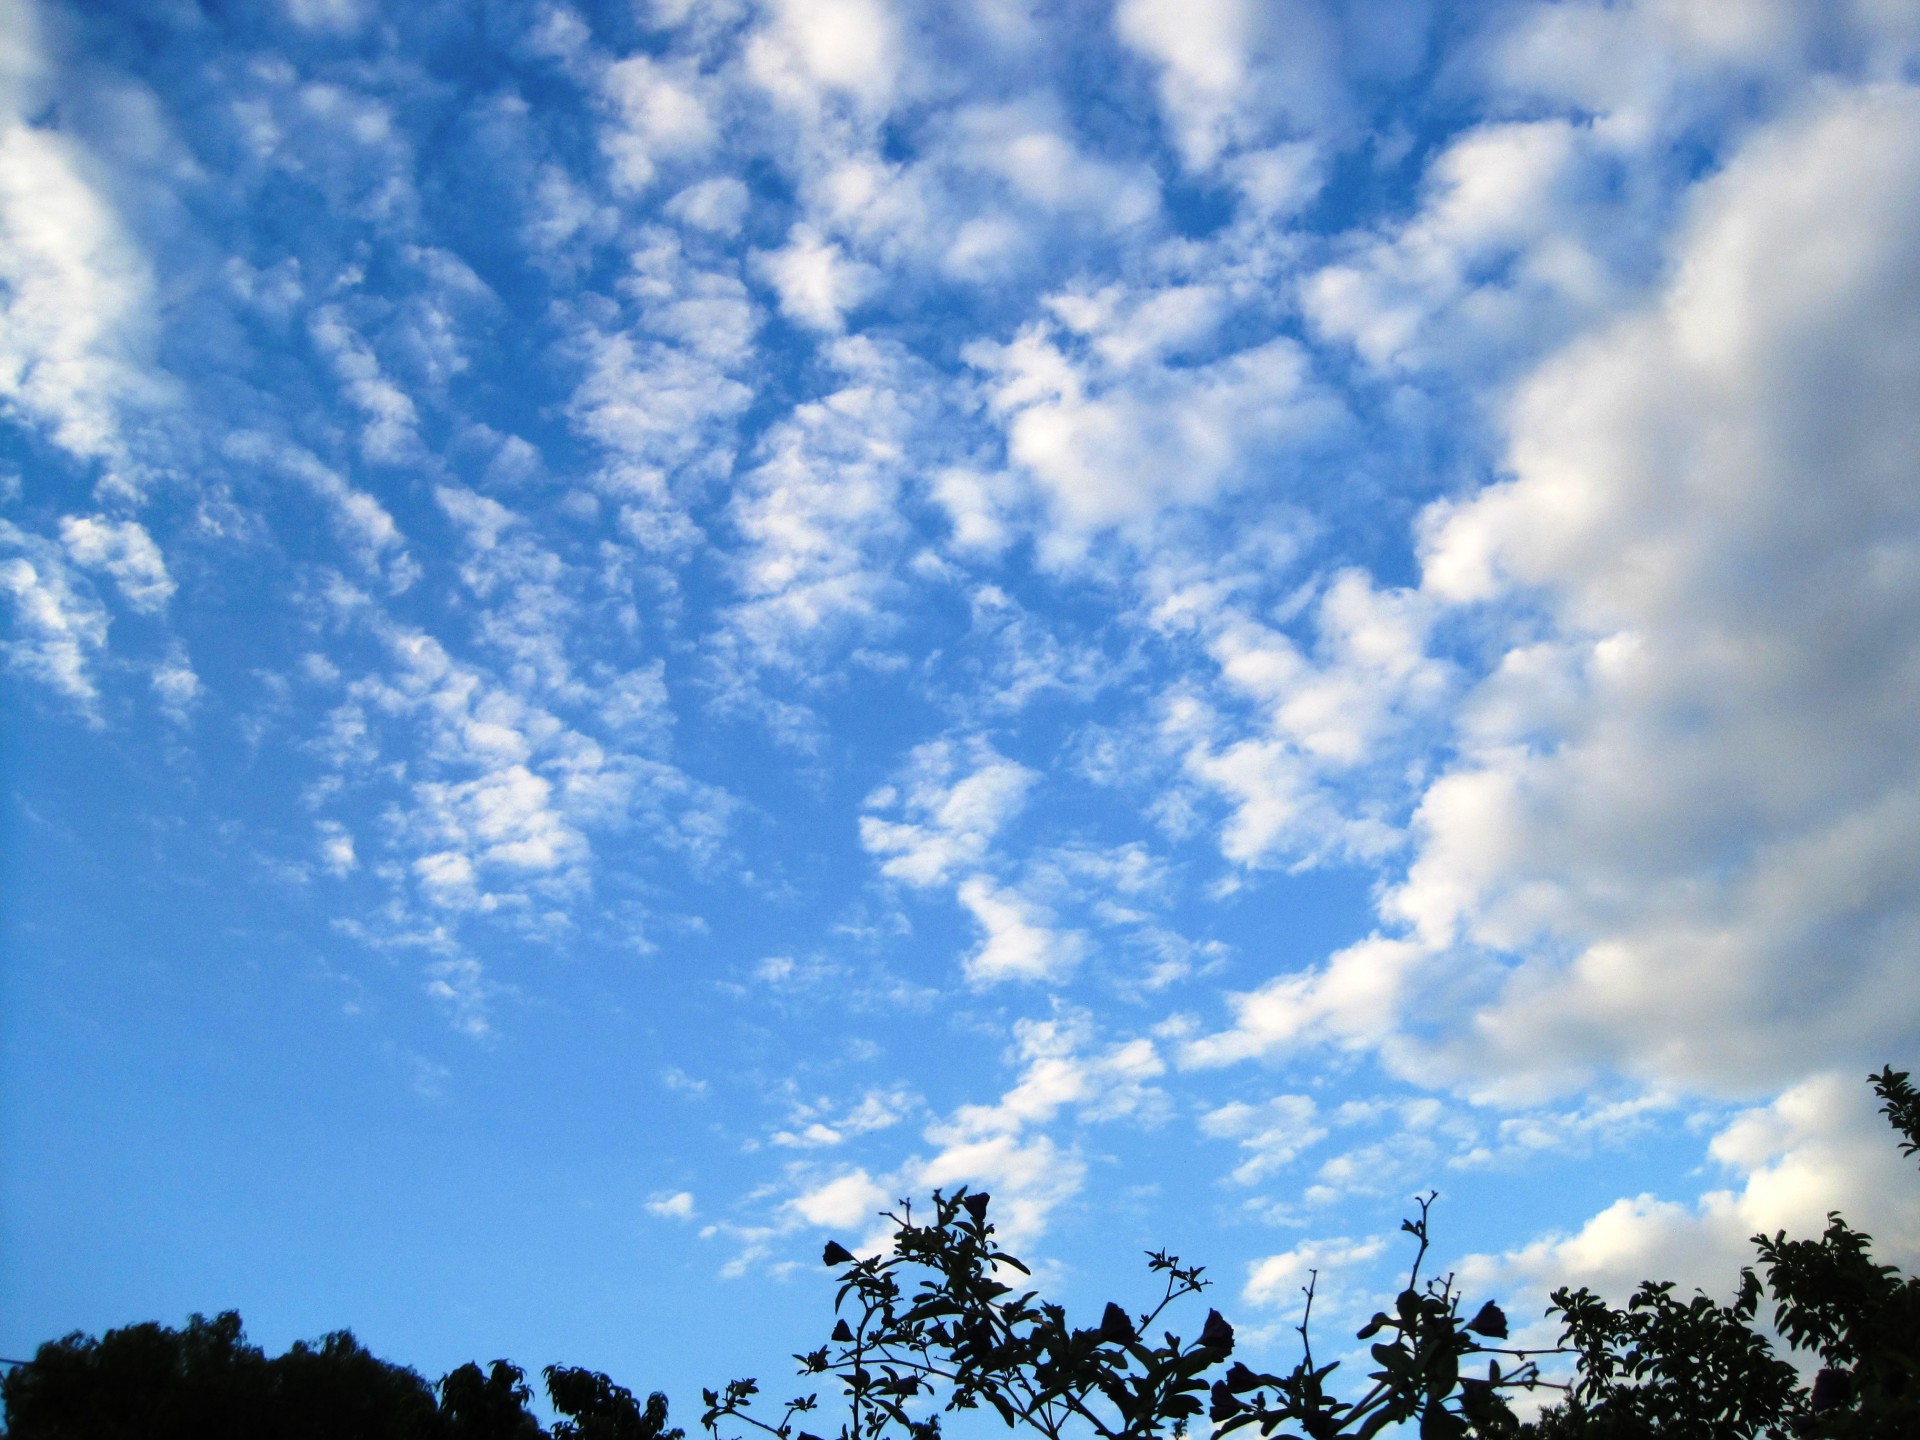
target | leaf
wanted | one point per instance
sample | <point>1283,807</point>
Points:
<point>1491,1320</point>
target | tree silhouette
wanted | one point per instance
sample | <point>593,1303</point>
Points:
<point>205,1382</point>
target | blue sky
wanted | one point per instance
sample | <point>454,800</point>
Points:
<point>633,629</point>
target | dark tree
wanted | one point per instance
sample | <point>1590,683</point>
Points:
<point>205,1382</point>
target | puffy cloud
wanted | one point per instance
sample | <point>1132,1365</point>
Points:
<point>816,281</point>
<point>1678,840</point>
<point>957,795</point>
<point>1110,436</point>
<point>1506,253</point>
<point>1699,796</point>
<point>1821,1146</point>
<point>812,53</point>
<point>1278,1280</point>
<point>1233,70</point>
<point>676,1206</point>
<point>1020,941</point>
<point>73,294</point>
<point>660,113</point>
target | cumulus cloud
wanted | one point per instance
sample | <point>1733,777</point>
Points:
<point>812,54</point>
<point>1020,940</point>
<point>1231,71</point>
<point>816,280</point>
<point>1821,1146</point>
<point>1713,502</point>
<point>1684,804</point>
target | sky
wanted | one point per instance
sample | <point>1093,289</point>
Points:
<point>633,630</point>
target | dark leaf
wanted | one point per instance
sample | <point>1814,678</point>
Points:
<point>1491,1320</point>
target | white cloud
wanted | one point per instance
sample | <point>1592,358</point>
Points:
<point>718,204</point>
<point>957,796</point>
<point>661,113</point>
<point>372,537</point>
<point>60,628</point>
<point>391,433</point>
<point>1232,72</point>
<point>813,52</point>
<point>846,1202</point>
<point>1278,1281</point>
<point>816,281</point>
<point>1116,438</point>
<point>73,296</point>
<point>336,848</point>
<point>1354,1000</point>
<point>1273,1132</point>
<point>1020,940</point>
<point>677,1206</point>
<point>819,514</point>
<point>1506,253</point>
<point>1687,803</point>
<point>1818,1147</point>
<point>124,550</point>
<point>1713,502</point>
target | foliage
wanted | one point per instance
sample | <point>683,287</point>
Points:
<point>205,1382</point>
<point>958,1337</point>
<point>932,1326</point>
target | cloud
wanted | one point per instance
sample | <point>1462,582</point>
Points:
<point>1274,1132</point>
<point>956,795</point>
<point>676,1206</point>
<point>74,292</point>
<point>123,550</point>
<point>813,53</point>
<point>391,434</point>
<point>60,627</point>
<point>1677,842</point>
<point>1020,941</point>
<point>660,114</point>
<point>1110,435</point>
<point>1279,1280</point>
<point>1003,1147</point>
<point>1821,1146</point>
<point>1506,254</point>
<point>1692,808</point>
<point>816,281</point>
<point>372,538</point>
<point>1232,72</point>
